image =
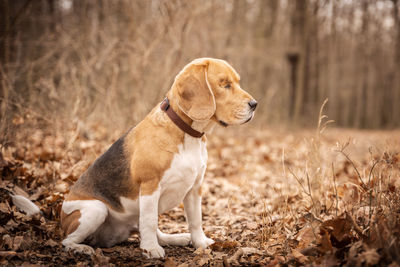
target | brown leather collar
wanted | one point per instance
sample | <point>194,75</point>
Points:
<point>177,120</point>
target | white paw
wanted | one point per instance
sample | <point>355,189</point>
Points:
<point>80,248</point>
<point>154,251</point>
<point>202,242</point>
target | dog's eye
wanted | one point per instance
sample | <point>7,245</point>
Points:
<point>228,86</point>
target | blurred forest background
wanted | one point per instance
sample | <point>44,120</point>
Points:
<point>84,61</point>
<point>75,74</point>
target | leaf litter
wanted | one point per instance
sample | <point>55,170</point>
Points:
<point>269,197</point>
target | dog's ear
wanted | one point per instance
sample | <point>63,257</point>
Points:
<point>194,95</point>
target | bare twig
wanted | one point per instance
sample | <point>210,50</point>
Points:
<point>334,186</point>
<point>370,193</point>
<point>370,172</point>
<point>298,180</point>
<point>302,186</point>
<point>341,150</point>
<point>355,225</point>
<point>309,190</point>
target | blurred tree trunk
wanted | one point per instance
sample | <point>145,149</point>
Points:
<point>5,22</point>
<point>267,18</point>
<point>11,46</point>
<point>264,27</point>
<point>329,81</point>
<point>237,18</point>
<point>311,101</point>
<point>298,57</point>
<point>363,60</point>
<point>11,13</point>
<point>55,17</point>
<point>396,70</point>
<point>315,97</point>
<point>4,59</point>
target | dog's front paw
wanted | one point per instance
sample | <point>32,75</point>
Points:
<point>202,241</point>
<point>153,251</point>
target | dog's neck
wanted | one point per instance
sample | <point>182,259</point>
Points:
<point>179,112</point>
<point>200,126</point>
<point>206,126</point>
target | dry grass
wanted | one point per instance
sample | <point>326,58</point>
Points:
<point>112,64</point>
<point>300,215</point>
<point>257,210</point>
<point>354,195</point>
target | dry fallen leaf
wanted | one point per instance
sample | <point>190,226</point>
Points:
<point>370,257</point>
<point>224,245</point>
<point>169,262</point>
<point>7,241</point>
<point>252,225</point>
<point>305,236</point>
<point>51,243</point>
<point>252,207</point>
<point>299,256</point>
<point>338,231</point>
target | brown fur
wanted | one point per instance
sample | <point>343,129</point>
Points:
<point>228,101</point>
<point>78,195</point>
<point>152,145</point>
<point>192,94</point>
<point>70,222</point>
<point>140,158</point>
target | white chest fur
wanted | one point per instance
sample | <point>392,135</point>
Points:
<point>186,171</point>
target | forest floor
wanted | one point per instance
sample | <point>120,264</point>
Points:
<point>270,197</point>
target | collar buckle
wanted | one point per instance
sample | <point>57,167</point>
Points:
<point>165,104</point>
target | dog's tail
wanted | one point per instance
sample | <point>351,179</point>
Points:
<point>25,205</point>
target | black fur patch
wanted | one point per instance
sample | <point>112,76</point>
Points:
<point>108,178</point>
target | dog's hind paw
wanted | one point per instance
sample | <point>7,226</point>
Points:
<point>80,248</point>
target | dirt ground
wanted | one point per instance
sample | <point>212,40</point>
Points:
<point>270,197</point>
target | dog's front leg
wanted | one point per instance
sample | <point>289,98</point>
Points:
<point>192,203</point>
<point>148,225</point>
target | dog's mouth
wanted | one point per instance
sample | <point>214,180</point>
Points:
<point>222,123</point>
<point>225,124</point>
<point>249,119</point>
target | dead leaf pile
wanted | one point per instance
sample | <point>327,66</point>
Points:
<point>269,197</point>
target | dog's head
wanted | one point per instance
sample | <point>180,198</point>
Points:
<point>209,88</point>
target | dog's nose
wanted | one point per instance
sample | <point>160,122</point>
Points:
<point>253,104</point>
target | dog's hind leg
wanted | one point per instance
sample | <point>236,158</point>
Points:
<point>80,219</point>
<point>173,239</point>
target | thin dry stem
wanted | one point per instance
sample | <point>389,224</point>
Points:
<point>341,150</point>
<point>335,188</point>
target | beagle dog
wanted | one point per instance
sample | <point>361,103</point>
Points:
<point>157,165</point>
